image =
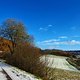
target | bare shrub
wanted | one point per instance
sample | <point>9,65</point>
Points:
<point>27,58</point>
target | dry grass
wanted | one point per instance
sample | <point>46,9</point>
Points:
<point>58,74</point>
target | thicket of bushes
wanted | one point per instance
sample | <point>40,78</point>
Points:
<point>78,62</point>
<point>26,57</point>
<point>75,62</point>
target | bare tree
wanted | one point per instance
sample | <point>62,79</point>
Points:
<point>15,32</point>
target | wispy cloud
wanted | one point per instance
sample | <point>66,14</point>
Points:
<point>64,37</point>
<point>76,36</point>
<point>50,25</point>
<point>58,42</point>
<point>53,47</point>
<point>49,41</point>
<point>43,29</point>
<point>40,28</point>
<point>46,28</point>
<point>73,28</point>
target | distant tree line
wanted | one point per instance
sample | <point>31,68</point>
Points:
<point>56,52</point>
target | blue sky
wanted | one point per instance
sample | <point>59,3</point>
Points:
<point>53,23</point>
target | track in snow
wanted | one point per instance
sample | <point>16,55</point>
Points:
<point>58,62</point>
<point>8,72</point>
<point>3,76</point>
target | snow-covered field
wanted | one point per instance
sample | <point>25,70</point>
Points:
<point>14,73</point>
<point>58,62</point>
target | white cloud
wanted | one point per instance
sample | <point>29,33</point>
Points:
<point>58,42</point>
<point>46,28</point>
<point>53,47</point>
<point>63,37</point>
<point>49,41</point>
<point>40,28</point>
<point>50,25</point>
<point>73,42</point>
<point>43,29</point>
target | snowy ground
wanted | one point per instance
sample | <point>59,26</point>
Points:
<point>14,73</point>
<point>2,75</point>
<point>58,62</point>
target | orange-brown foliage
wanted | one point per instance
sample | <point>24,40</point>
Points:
<point>4,44</point>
